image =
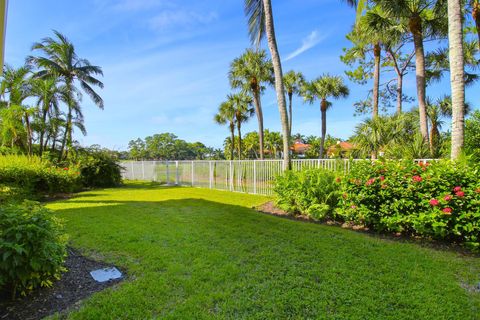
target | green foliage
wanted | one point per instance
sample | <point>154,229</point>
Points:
<point>29,177</point>
<point>472,136</point>
<point>438,200</point>
<point>32,247</point>
<point>99,168</point>
<point>312,192</point>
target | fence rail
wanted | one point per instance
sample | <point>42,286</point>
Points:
<point>248,176</point>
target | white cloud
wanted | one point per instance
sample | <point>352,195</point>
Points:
<point>309,42</point>
<point>180,18</point>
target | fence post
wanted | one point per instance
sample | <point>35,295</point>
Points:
<point>133,171</point>
<point>210,174</point>
<point>168,173</point>
<point>254,177</point>
<point>176,173</point>
<point>143,170</point>
<point>192,173</point>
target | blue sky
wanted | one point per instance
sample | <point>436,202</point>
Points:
<point>165,62</point>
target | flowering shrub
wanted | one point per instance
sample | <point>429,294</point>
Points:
<point>440,200</point>
<point>312,192</point>
<point>28,177</point>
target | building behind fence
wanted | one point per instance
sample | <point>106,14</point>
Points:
<point>248,176</point>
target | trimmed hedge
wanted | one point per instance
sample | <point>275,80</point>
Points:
<point>29,177</point>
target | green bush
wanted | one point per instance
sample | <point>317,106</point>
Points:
<point>439,200</point>
<point>312,192</point>
<point>32,247</point>
<point>29,177</point>
<point>99,168</point>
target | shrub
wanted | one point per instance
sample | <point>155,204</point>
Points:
<point>32,247</point>
<point>438,200</point>
<point>99,168</point>
<point>312,192</point>
<point>28,177</point>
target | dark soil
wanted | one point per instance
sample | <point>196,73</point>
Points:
<point>76,284</point>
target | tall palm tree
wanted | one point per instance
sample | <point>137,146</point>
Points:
<point>424,19</point>
<point>226,115</point>
<point>241,104</point>
<point>260,22</point>
<point>250,72</point>
<point>457,74</point>
<point>60,60</point>
<point>324,88</point>
<point>293,82</point>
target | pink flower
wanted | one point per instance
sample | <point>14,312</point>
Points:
<point>65,168</point>
<point>434,202</point>
<point>382,178</point>
<point>370,181</point>
<point>447,197</point>
<point>353,207</point>
<point>456,189</point>
<point>417,178</point>
<point>460,194</point>
<point>447,211</point>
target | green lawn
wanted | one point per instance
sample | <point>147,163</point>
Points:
<point>203,254</point>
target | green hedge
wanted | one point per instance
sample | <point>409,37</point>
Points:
<point>439,200</point>
<point>32,247</point>
<point>29,177</point>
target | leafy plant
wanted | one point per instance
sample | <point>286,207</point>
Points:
<point>312,192</point>
<point>439,200</point>
<point>98,168</point>
<point>32,247</point>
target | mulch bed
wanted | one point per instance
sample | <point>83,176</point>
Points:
<point>76,284</point>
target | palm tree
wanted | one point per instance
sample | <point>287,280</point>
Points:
<point>17,84</point>
<point>323,88</point>
<point>260,23</point>
<point>424,19</point>
<point>49,95</point>
<point>251,144</point>
<point>241,104</point>
<point>457,74</point>
<point>293,82</point>
<point>373,135</point>
<point>434,113</point>
<point>226,115</point>
<point>60,60</point>
<point>249,72</point>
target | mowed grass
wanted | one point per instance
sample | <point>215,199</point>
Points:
<point>202,254</point>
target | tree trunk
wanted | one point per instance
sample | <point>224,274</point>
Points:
<point>434,134</point>
<point>323,110</point>
<point>415,25</point>
<point>399,93</point>
<point>239,140</point>
<point>457,73</point>
<point>279,87</point>
<point>44,125</point>
<point>290,113</point>
<point>259,113</point>
<point>66,135</point>
<point>376,78</point>
<point>29,134</point>
<point>232,136</point>
<point>476,18</point>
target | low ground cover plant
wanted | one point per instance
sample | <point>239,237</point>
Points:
<point>313,192</point>
<point>32,247</point>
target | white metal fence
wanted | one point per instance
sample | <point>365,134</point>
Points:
<point>248,176</point>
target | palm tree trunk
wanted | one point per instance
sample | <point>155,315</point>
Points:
<point>279,87</point>
<point>434,133</point>
<point>259,113</point>
<point>44,126</point>
<point>66,135</point>
<point>29,134</point>
<point>376,78</point>
<point>323,110</point>
<point>415,25</point>
<point>399,93</point>
<point>455,37</point>
<point>239,125</point>
<point>290,113</point>
<point>232,136</point>
<point>476,18</point>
